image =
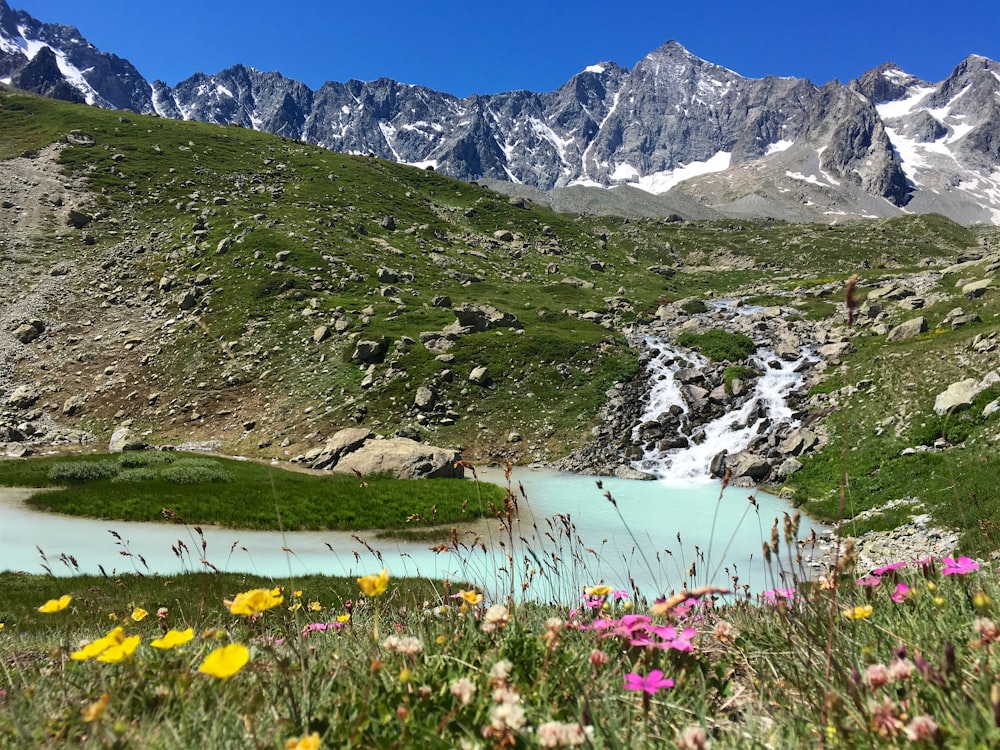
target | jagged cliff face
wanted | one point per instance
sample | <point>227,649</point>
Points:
<point>783,147</point>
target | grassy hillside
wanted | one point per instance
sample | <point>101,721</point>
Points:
<point>226,277</point>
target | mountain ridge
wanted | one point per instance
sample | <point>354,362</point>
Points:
<point>673,123</point>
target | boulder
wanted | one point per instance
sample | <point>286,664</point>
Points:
<point>123,439</point>
<point>370,351</point>
<point>479,376</point>
<point>424,398</point>
<point>908,329</point>
<point>483,317</point>
<point>403,458</point>
<point>26,333</point>
<point>751,467</point>
<point>957,396</point>
<point>800,440</point>
<point>23,396</point>
<point>976,288</point>
<point>339,445</point>
<point>785,469</point>
<point>78,219</point>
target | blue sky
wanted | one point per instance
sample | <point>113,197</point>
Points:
<point>486,46</point>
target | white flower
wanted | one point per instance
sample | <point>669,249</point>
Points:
<point>507,716</point>
<point>495,618</point>
<point>557,734</point>
<point>463,689</point>
<point>501,671</point>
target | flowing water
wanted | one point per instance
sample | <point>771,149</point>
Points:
<point>573,531</point>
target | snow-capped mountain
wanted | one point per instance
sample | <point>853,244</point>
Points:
<point>674,125</point>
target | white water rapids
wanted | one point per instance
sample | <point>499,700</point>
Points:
<point>734,430</point>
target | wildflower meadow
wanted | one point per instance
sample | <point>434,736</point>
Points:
<point>902,656</point>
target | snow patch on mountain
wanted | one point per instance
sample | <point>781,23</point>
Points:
<point>661,182</point>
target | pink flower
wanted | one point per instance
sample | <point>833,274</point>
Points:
<point>775,594</point>
<point>878,674</point>
<point>901,669</point>
<point>887,568</point>
<point>871,581</point>
<point>598,657</point>
<point>901,594</point>
<point>960,567</point>
<point>651,683</point>
<point>923,728</point>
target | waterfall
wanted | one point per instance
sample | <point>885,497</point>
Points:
<point>765,408</point>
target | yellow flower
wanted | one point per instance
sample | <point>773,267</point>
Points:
<point>862,612</point>
<point>95,710</point>
<point>56,605</point>
<point>296,594</point>
<point>118,652</point>
<point>254,601</point>
<point>470,597</point>
<point>226,661</point>
<point>139,614</point>
<point>296,606</point>
<point>980,600</point>
<point>374,585</point>
<point>95,648</point>
<point>598,590</point>
<point>305,743</point>
<point>343,618</point>
<point>173,638</point>
<point>315,606</point>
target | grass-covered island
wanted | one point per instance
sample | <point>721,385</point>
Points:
<point>200,489</point>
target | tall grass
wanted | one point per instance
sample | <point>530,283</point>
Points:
<point>912,658</point>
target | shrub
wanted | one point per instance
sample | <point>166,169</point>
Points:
<point>139,474</point>
<point>195,471</point>
<point>719,345</point>
<point>138,459</point>
<point>78,472</point>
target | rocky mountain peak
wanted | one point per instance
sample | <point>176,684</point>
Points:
<point>888,82</point>
<point>865,148</point>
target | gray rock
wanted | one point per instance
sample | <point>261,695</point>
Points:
<point>957,396</point>
<point>424,398</point>
<point>339,445</point>
<point>26,333</point>
<point>908,329</point>
<point>800,440</point>
<point>367,351</point>
<point>123,439</point>
<point>321,333</point>
<point>72,406</point>
<point>484,317</point>
<point>187,300</point>
<point>403,458</point>
<point>17,450</point>
<point>480,376</point>
<point>751,467</point>
<point>78,219</point>
<point>23,396</point>
<point>786,468</point>
<point>976,288</point>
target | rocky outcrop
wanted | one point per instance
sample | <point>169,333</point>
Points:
<point>360,451</point>
<point>403,458</point>
<point>962,394</point>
